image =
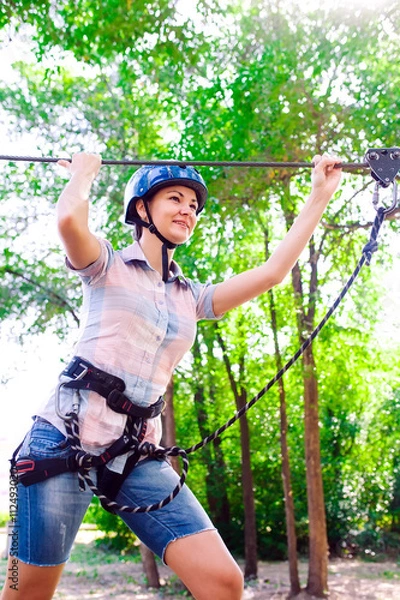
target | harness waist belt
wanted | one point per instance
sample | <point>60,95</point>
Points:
<point>30,471</point>
<point>86,376</point>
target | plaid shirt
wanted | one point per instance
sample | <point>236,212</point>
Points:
<point>136,327</point>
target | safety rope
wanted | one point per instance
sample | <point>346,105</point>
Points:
<point>84,463</point>
<point>193,163</point>
<point>84,459</point>
<point>368,249</point>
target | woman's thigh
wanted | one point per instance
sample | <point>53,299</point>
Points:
<point>50,512</point>
<point>206,566</point>
<point>150,482</point>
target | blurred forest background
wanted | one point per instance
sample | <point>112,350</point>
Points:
<point>219,81</point>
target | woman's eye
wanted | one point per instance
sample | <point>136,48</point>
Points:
<point>193,207</point>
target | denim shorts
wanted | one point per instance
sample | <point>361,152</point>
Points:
<point>51,512</point>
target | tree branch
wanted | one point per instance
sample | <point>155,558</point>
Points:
<point>53,296</point>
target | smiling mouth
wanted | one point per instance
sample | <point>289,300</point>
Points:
<point>181,224</point>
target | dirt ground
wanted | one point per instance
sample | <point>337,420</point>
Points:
<point>347,581</point>
<point>99,580</point>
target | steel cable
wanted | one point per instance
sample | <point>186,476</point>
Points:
<point>193,163</point>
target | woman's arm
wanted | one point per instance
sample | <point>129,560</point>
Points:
<point>81,246</point>
<point>250,284</point>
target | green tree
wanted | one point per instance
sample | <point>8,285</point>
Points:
<point>295,83</point>
<point>275,73</point>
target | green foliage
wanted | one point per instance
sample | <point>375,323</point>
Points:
<point>141,80</point>
<point>3,519</point>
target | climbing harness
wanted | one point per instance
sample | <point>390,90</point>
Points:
<point>84,374</point>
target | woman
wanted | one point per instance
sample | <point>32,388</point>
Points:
<point>139,317</point>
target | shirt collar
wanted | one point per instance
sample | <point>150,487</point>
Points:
<point>134,253</point>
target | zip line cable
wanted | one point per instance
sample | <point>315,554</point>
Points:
<point>192,163</point>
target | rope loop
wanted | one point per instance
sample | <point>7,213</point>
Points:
<point>148,449</point>
<point>85,461</point>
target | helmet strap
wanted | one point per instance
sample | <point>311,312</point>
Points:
<point>167,245</point>
<point>165,263</point>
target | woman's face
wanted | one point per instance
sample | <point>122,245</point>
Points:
<point>173,210</point>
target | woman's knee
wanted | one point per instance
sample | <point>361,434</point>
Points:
<point>30,581</point>
<point>206,567</point>
<point>231,579</point>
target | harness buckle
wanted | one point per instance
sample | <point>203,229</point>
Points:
<point>76,369</point>
<point>24,465</point>
<point>77,399</point>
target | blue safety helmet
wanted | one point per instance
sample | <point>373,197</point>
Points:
<point>145,182</point>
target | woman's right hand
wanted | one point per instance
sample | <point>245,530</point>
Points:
<point>81,246</point>
<point>83,163</point>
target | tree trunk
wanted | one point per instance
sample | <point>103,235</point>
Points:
<point>216,485</point>
<point>149,566</point>
<point>317,583</point>
<point>250,526</point>
<point>286,478</point>
<point>168,439</point>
